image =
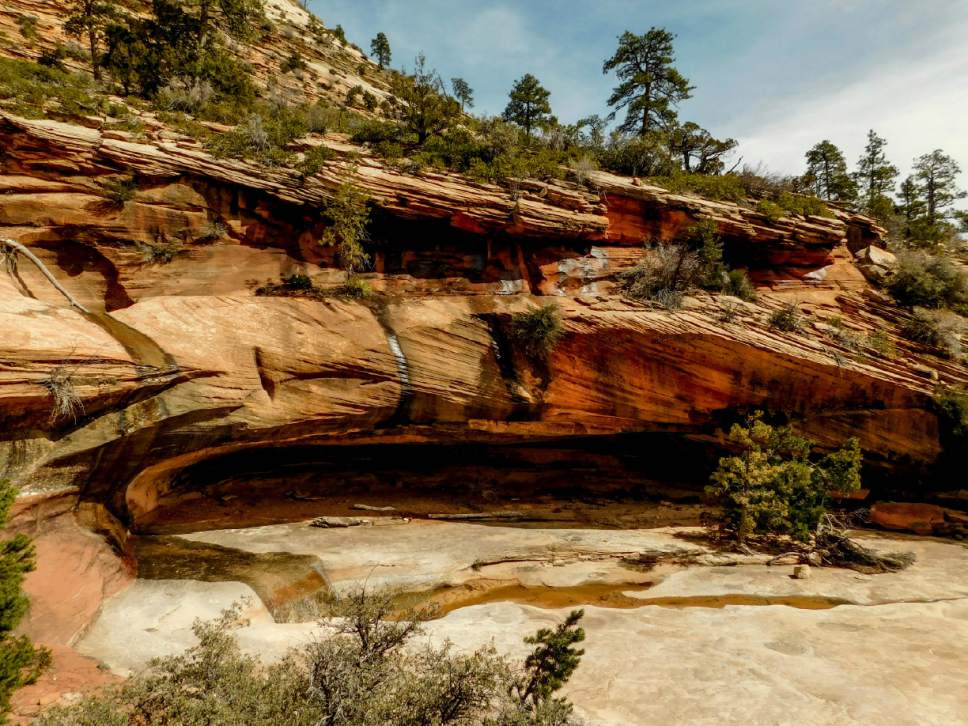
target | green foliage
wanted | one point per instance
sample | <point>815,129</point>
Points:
<point>936,177</point>
<point>773,485</point>
<point>549,667</point>
<point>827,173</point>
<point>463,93</point>
<point>951,405</point>
<point>295,284</point>
<point>89,20</point>
<point>787,318</point>
<point>804,205</point>
<point>698,150</point>
<point>940,330</point>
<point>368,671</point>
<point>738,284</point>
<point>528,106</point>
<point>727,187</point>
<point>645,155</point>
<point>355,288</point>
<point>28,27</point>
<point>293,63</point>
<point>313,161</point>
<point>33,90</point>
<point>882,344</point>
<point>264,137</point>
<point>183,38</point>
<point>20,662</point>
<point>770,209</point>
<point>930,281</point>
<point>380,49</point>
<point>349,216</point>
<point>426,110</point>
<point>704,238</point>
<point>538,331</point>
<point>664,274</point>
<point>875,177</point>
<point>119,191</point>
<point>650,88</point>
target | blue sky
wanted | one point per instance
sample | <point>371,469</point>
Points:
<point>776,75</point>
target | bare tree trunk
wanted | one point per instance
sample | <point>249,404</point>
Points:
<point>43,269</point>
<point>95,65</point>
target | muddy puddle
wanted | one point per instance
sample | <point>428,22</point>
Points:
<point>295,588</point>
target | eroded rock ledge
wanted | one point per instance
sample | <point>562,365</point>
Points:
<point>179,363</point>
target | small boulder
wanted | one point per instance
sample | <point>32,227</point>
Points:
<point>801,572</point>
<point>908,517</point>
<point>876,264</point>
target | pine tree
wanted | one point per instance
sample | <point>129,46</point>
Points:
<point>89,19</point>
<point>529,105</point>
<point>380,49</point>
<point>463,93</point>
<point>650,87</point>
<point>827,173</point>
<point>549,666</point>
<point>20,662</point>
<point>426,110</point>
<point>875,176</point>
<point>698,149</point>
<point>235,17</point>
<point>936,174</point>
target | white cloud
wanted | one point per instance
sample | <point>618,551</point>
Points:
<point>918,105</point>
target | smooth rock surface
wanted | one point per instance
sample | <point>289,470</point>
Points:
<point>689,657</point>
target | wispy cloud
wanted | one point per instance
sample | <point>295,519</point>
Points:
<point>778,76</point>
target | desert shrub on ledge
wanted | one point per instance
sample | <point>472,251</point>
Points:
<point>929,281</point>
<point>668,271</point>
<point>939,330</point>
<point>537,332</point>
<point>787,318</point>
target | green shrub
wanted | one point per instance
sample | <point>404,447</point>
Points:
<point>294,63</point>
<point>538,331</point>
<point>118,191</point>
<point>348,214</point>
<point>726,187</point>
<point>951,405</point>
<point>366,670</point>
<point>160,252</point>
<point>292,285</point>
<point>928,281</point>
<point>22,663</point>
<point>28,27</point>
<point>313,161</point>
<point>31,89</point>
<point>738,284</point>
<point>787,318</point>
<point>772,484</point>
<point>355,288</point>
<point>263,137</point>
<point>771,210</point>
<point>939,330</point>
<point>882,344</point>
<point>803,205</point>
<point>664,274</point>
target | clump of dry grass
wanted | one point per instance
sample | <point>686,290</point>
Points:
<point>66,401</point>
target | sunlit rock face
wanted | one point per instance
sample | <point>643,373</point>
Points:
<point>177,361</point>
